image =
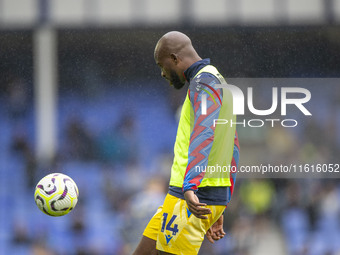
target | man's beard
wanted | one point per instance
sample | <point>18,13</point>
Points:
<point>175,80</point>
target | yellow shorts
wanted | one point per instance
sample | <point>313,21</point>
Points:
<point>176,230</point>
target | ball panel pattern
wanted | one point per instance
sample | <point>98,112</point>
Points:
<point>56,194</point>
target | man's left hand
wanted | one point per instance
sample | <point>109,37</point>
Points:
<point>216,231</point>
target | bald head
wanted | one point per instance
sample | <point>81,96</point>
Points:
<point>174,53</point>
<point>177,43</point>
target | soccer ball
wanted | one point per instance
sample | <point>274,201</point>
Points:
<point>56,194</point>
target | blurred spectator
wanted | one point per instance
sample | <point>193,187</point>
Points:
<point>294,219</point>
<point>17,99</point>
<point>313,132</point>
<point>40,248</point>
<point>119,144</point>
<point>142,206</point>
<point>24,150</point>
<point>281,144</point>
<point>257,196</point>
<point>329,206</point>
<point>78,230</point>
<point>243,236</point>
<point>21,235</point>
<point>79,141</point>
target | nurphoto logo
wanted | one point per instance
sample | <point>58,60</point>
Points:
<point>239,104</point>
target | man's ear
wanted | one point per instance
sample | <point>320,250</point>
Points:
<point>174,58</point>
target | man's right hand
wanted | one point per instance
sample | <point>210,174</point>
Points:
<point>194,205</point>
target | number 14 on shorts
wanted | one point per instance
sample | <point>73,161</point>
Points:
<point>167,226</point>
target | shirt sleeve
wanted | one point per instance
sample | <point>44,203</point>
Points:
<point>234,163</point>
<point>202,136</point>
